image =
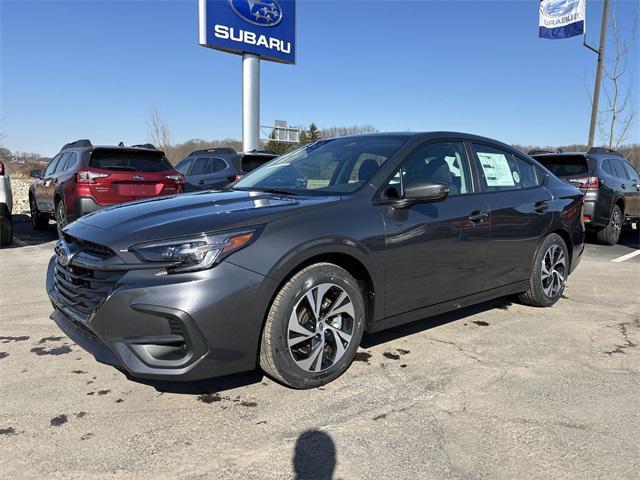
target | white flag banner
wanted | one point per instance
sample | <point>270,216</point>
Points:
<point>561,18</point>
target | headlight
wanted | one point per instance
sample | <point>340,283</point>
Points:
<point>195,253</point>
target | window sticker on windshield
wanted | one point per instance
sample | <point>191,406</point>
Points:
<point>496,169</point>
<point>516,177</point>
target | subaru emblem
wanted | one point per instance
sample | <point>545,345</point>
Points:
<point>138,178</point>
<point>264,13</point>
<point>63,253</point>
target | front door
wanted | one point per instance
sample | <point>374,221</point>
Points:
<point>435,251</point>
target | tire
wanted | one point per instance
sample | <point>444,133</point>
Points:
<point>6,232</point>
<point>313,357</point>
<point>610,234</point>
<point>38,220</point>
<point>549,273</point>
<point>61,217</point>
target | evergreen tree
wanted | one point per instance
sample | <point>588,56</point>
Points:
<point>313,133</point>
<point>277,147</point>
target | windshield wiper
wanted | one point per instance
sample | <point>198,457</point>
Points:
<point>277,191</point>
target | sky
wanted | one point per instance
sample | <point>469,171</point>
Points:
<point>93,69</point>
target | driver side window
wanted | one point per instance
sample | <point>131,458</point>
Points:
<point>442,162</point>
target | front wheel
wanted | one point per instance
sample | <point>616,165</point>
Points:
<point>549,275</point>
<point>38,220</point>
<point>314,327</point>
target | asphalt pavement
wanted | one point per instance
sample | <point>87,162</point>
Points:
<point>499,390</point>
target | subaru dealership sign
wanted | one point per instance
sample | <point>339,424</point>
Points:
<point>261,27</point>
<point>561,18</point>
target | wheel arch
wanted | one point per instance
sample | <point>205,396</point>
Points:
<point>347,260</point>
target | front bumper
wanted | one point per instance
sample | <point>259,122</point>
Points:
<point>172,327</point>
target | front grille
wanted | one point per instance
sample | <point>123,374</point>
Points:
<point>89,247</point>
<point>83,290</point>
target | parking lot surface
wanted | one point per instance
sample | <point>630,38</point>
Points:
<point>500,390</point>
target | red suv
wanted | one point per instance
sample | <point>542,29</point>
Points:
<point>83,178</point>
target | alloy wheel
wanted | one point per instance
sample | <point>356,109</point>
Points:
<point>320,327</point>
<point>616,222</point>
<point>554,267</point>
<point>61,216</point>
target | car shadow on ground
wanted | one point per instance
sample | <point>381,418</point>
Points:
<point>373,339</point>
<point>25,236</point>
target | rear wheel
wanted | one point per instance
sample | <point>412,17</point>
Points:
<point>6,232</point>
<point>314,327</point>
<point>549,275</point>
<point>61,217</point>
<point>38,220</point>
<point>610,234</point>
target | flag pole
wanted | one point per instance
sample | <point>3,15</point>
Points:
<point>596,90</point>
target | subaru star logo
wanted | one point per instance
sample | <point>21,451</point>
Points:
<point>138,178</point>
<point>264,13</point>
<point>559,8</point>
<point>63,253</point>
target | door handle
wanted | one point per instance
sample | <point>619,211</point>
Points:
<point>541,207</point>
<point>624,187</point>
<point>478,216</point>
<point>201,182</point>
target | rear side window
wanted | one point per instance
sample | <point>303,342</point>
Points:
<point>504,171</point>
<point>565,165</point>
<point>606,166</point>
<point>217,165</point>
<point>70,163</point>
<point>129,160</point>
<point>201,166</point>
<point>60,167</point>
<point>618,169</point>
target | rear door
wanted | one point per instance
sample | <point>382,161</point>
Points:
<point>220,173</point>
<point>631,188</point>
<point>520,211</point>
<point>200,169</point>
<point>122,175</point>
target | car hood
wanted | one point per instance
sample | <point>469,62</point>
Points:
<point>187,214</point>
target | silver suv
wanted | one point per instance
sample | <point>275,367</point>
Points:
<point>6,206</point>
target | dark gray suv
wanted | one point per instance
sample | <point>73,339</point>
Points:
<point>610,184</point>
<point>218,167</point>
<point>288,267</point>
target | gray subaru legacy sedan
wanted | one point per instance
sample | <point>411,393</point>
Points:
<point>288,267</point>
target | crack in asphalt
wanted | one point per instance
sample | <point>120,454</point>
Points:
<point>447,342</point>
<point>623,327</point>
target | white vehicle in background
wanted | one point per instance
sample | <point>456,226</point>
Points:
<point>6,206</point>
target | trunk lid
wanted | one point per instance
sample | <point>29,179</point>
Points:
<point>123,175</point>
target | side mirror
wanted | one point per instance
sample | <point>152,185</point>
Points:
<point>422,192</point>
<point>35,173</point>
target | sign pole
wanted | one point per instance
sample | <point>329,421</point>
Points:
<point>250,102</point>
<point>596,91</point>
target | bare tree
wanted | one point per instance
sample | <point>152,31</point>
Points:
<point>158,131</point>
<point>616,119</point>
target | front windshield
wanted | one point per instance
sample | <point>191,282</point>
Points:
<point>335,166</point>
